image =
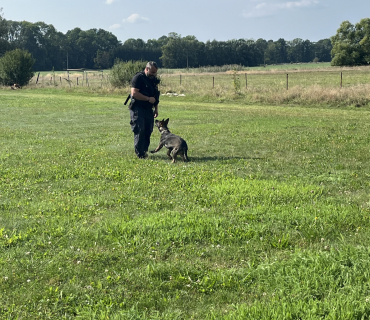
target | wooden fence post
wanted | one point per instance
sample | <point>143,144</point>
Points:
<point>287,81</point>
<point>37,80</point>
<point>180,79</point>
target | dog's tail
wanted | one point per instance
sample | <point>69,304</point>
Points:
<point>186,155</point>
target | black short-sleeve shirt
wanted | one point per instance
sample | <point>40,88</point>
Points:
<point>145,85</point>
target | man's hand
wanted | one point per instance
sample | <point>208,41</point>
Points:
<point>155,112</point>
<point>152,100</point>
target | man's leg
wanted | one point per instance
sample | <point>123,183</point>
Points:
<point>138,128</point>
<point>149,125</point>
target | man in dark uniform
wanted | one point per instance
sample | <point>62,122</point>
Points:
<point>144,97</point>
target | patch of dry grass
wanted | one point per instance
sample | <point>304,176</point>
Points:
<point>334,86</point>
<point>357,96</point>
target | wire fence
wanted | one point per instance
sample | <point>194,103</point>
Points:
<point>72,79</point>
<point>277,80</point>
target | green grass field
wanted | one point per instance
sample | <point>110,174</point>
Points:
<point>269,220</point>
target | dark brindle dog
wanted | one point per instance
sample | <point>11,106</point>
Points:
<point>175,144</point>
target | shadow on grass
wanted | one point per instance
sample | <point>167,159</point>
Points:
<point>216,158</point>
<point>209,159</point>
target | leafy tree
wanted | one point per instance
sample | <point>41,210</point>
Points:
<point>3,30</point>
<point>351,44</point>
<point>16,67</point>
<point>137,49</point>
<point>157,44</point>
<point>211,56</point>
<point>300,50</point>
<point>173,53</point>
<point>31,38</point>
<point>345,47</point>
<point>295,50</point>
<point>136,44</point>
<point>260,47</point>
<point>255,54</point>
<point>322,49</point>
<point>363,31</point>
<point>225,52</point>
<point>4,44</point>
<point>54,43</point>
<point>217,53</point>
<point>245,52</point>
<point>83,46</point>
<point>281,51</point>
<point>102,60</point>
<point>46,45</point>
<point>123,72</point>
<point>194,51</point>
<point>270,52</point>
<point>239,52</point>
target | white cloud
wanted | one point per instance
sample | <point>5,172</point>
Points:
<point>267,9</point>
<point>115,26</point>
<point>109,1</point>
<point>297,4</point>
<point>135,18</point>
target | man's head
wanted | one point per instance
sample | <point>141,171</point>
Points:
<point>151,69</point>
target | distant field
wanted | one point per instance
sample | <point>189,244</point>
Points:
<point>269,220</point>
<point>293,66</point>
<point>274,77</point>
<point>290,66</point>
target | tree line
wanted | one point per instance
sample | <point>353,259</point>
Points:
<point>99,49</point>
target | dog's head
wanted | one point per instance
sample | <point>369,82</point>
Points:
<point>162,124</point>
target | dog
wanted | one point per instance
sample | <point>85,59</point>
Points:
<point>15,86</point>
<point>175,144</point>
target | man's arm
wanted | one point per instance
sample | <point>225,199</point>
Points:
<point>155,112</point>
<point>135,93</point>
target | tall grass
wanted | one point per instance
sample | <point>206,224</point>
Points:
<point>355,96</point>
<point>345,87</point>
<point>308,84</point>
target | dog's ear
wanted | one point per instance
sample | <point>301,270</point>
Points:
<point>166,121</point>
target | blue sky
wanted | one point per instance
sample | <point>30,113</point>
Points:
<point>204,19</point>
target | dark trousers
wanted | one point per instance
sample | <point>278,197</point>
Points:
<point>142,122</point>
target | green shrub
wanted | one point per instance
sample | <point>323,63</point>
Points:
<point>122,72</point>
<point>16,67</point>
<point>236,82</point>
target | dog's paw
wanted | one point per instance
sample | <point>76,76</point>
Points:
<point>153,151</point>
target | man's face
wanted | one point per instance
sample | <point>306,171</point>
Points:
<point>151,72</point>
